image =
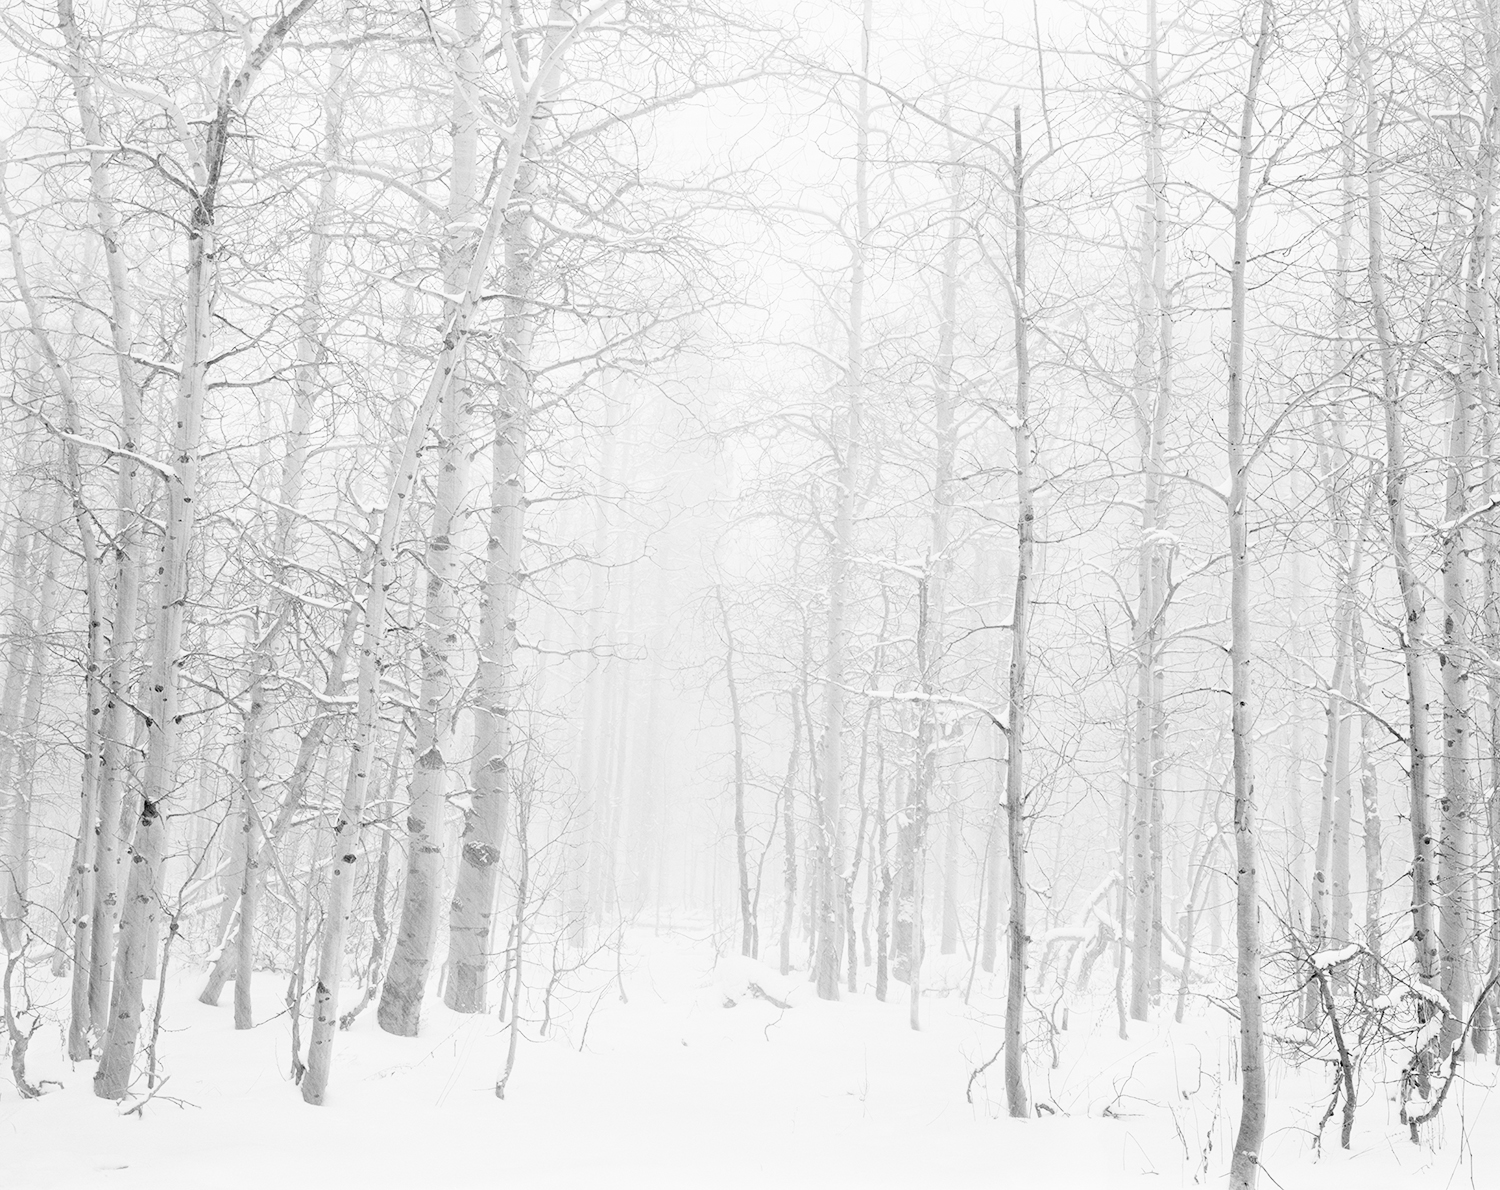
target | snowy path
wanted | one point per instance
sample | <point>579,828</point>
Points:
<point>672,1090</point>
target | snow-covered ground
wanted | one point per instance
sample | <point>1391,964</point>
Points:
<point>674,1087</point>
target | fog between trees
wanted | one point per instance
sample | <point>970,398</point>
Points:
<point>958,504</point>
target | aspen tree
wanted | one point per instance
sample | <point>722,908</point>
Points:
<point>1153,402</point>
<point>116,721</point>
<point>737,726</point>
<point>1017,688</point>
<point>1245,1161</point>
<point>306,389</point>
<point>789,826</point>
<point>830,779</point>
<point>472,913</point>
<point>933,595</point>
<point>1424,933</point>
<point>141,904</point>
<point>25,674</point>
<point>80,1020</point>
<point>405,984</point>
<point>564,27</point>
<point>1469,371</point>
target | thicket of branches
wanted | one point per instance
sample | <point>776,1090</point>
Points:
<point>958,498</point>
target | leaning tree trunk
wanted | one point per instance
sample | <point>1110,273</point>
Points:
<point>561,32</point>
<point>1245,1161</point>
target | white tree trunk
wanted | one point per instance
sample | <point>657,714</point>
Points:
<point>562,30</point>
<point>1017,688</point>
<point>117,721</point>
<point>405,984</point>
<point>1245,1161</point>
<point>1153,397</point>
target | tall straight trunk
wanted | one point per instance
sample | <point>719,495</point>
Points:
<point>562,30</point>
<point>1456,851</point>
<point>1491,628</point>
<point>1369,793</point>
<point>249,793</point>
<point>142,893</point>
<point>994,865</point>
<point>141,902</point>
<point>400,1007</point>
<point>934,593</point>
<point>1424,935</point>
<point>593,736</point>
<point>918,808</point>
<point>741,843</point>
<point>641,844</point>
<point>994,868</point>
<point>1153,399</point>
<point>851,876</point>
<point>30,541</point>
<point>885,877</point>
<point>27,675</point>
<point>116,721</point>
<point>1245,1162</point>
<point>789,832</point>
<point>830,802</point>
<point>471,920</point>
<point>623,742</point>
<point>1453,672</point>
<point>81,886</point>
<point>1017,688</point>
<point>310,359</point>
<point>81,905</point>
<point>1332,910</point>
<point>1484,825</point>
<point>1294,815</point>
<point>952,848</point>
<point>945,442</point>
<point>1339,492</point>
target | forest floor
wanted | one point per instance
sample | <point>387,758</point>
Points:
<point>671,1088</point>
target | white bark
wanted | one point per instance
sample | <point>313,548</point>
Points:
<point>1245,1162</point>
<point>405,984</point>
<point>562,32</point>
<point>1017,687</point>
<point>830,922</point>
<point>1153,398</point>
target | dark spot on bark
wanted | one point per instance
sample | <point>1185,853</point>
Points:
<point>481,855</point>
